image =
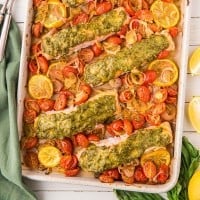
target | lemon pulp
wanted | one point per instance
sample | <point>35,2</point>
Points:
<point>194,62</point>
<point>194,187</point>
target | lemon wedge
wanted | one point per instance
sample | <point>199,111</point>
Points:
<point>194,62</point>
<point>40,86</point>
<point>194,113</point>
<point>193,187</point>
<point>49,156</point>
<point>165,14</point>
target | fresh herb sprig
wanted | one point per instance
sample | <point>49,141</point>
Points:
<point>190,160</point>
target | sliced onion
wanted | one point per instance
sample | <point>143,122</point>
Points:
<point>137,77</point>
<point>115,83</point>
<point>166,72</point>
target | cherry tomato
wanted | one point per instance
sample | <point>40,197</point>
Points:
<point>31,160</point>
<point>32,65</point>
<point>171,99</point>
<point>113,173</point>
<point>126,179</point>
<point>80,18</point>
<point>106,178</point>
<point>170,112</point>
<point>150,76</point>
<point>123,30</point>
<point>145,5</point>
<point>36,48</point>
<point>163,54</point>
<point>29,142</point>
<point>46,104</point>
<point>31,104</point>
<point>93,137</point>
<point>57,85</point>
<point>145,15</point>
<point>139,175</point>
<point>149,169</point>
<point>97,49</point>
<point>103,7</point>
<point>154,27</point>
<point>66,161</point>
<point>81,68</point>
<point>160,95</point>
<point>82,140</point>
<point>81,97</point>
<point>37,29</point>
<point>153,119</point>
<point>43,64</point>
<point>128,7</point>
<point>117,125</point>
<point>139,37</point>
<point>163,173</point>
<point>138,121</point>
<point>86,88</point>
<point>158,108</point>
<point>110,130</point>
<point>69,69</point>
<point>72,172</point>
<point>128,127</point>
<point>173,31</point>
<point>86,55</point>
<point>75,162</point>
<point>125,96</point>
<point>60,102</point>
<point>114,40</point>
<point>143,93</point>
<point>65,145</point>
<point>172,90</point>
<point>29,116</point>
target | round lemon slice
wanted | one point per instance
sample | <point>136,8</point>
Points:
<point>56,14</point>
<point>40,86</point>
<point>160,156</point>
<point>194,62</point>
<point>194,113</point>
<point>49,156</point>
<point>165,14</point>
<point>166,70</point>
<point>193,187</point>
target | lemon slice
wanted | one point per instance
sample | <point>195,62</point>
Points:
<point>194,62</point>
<point>167,72</point>
<point>56,13</point>
<point>194,113</point>
<point>40,86</point>
<point>56,66</point>
<point>193,187</point>
<point>49,156</point>
<point>160,156</point>
<point>165,14</point>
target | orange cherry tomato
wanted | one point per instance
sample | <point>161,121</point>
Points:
<point>117,125</point>
<point>80,18</point>
<point>65,145</point>
<point>169,113</point>
<point>86,55</point>
<point>32,66</point>
<point>113,173</point>
<point>86,88</point>
<point>36,48</point>
<point>150,76</point>
<point>97,49</point>
<point>114,40</point>
<point>31,104</point>
<point>153,119</point>
<point>103,7</point>
<point>43,64</point>
<point>69,69</point>
<point>158,108</point>
<point>173,31</point>
<point>46,104</point>
<point>60,102</point>
<point>128,7</point>
<point>125,96</point>
<point>37,29</point>
<point>145,15</point>
<point>138,121</point>
<point>31,160</point>
<point>143,93</point>
<point>163,54</point>
<point>29,116</point>
<point>106,178</point>
<point>29,142</point>
<point>126,179</point>
<point>128,127</point>
<point>82,140</point>
<point>81,97</point>
<point>72,172</point>
<point>160,95</point>
<point>149,169</point>
<point>123,30</point>
<point>139,175</point>
<point>66,161</point>
<point>93,137</point>
<point>163,174</point>
<point>155,28</point>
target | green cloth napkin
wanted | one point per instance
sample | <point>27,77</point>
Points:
<point>11,186</point>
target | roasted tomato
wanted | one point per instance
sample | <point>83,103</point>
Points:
<point>82,140</point>
<point>169,113</point>
<point>153,119</point>
<point>158,109</point>
<point>106,178</point>
<point>144,15</point>
<point>35,48</point>
<point>31,160</point>
<point>93,137</point>
<point>65,145</point>
<point>31,104</point>
<point>123,30</point>
<point>36,3</point>
<point>46,104</point>
<point>139,175</point>
<point>37,29</point>
<point>69,69</point>
<point>103,7</point>
<point>72,172</point>
<point>128,180</point>
<point>32,66</point>
<point>60,102</point>
<point>29,116</point>
<point>97,49</point>
<point>86,88</point>
<point>117,125</point>
<point>29,142</point>
<point>163,54</point>
<point>114,40</point>
<point>160,95</point>
<point>163,173</point>
<point>128,127</point>
<point>113,173</point>
<point>86,55</point>
<point>80,18</point>
<point>66,161</point>
<point>172,90</point>
<point>143,93</point>
<point>173,31</point>
<point>138,121</point>
<point>57,85</point>
<point>150,76</point>
<point>128,7</point>
<point>43,64</point>
<point>125,96</point>
<point>149,169</point>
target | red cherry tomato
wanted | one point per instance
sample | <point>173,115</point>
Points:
<point>72,172</point>
<point>163,173</point>
<point>97,49</point>
<point>114,40</point>
<point>82,140</point>
<point>139,175</point>
<point>169,113</point>
<point>93,137</point>
<point>113,173</point>
<point>60,102</point>
<point>106,178</point>
<point>31,104</point>
<point>153,119</point>
<point>117,125</point>
<point>43,64</point>
<point>65,145</point>
<point>37,29</point>
<point>80,18</point>
<point>103,7</point>
<point>150,76</point>
<point>46,104</point>
<point>86,55</point>
<point>128,7</point>
<point>163,54</point>
<point>125,96</point>
<point>160,95</point>
<point>171,99</point>
<point>128,127</point>
<point>86,88</point>
<point>31,160</point>
<point>81,97</point>
<point>158,108</point>
<point>138,121</point>
<point>172,90</point>
<point>149,169</point>
<point>66,161</point>
<point>173,31</point>
<point>123,30</point>
<point>69,69</point>
<point>36,48</point>
<point>32,65</point>
<point>29,116</point>
<point>143,93</point>
<point>29,142</point>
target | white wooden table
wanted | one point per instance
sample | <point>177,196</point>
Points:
<point>52,191</point>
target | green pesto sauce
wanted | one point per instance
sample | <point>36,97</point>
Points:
<point>60,43</point>
<point>104,69</point>
<point>59,125</point>
<point>100,158</point>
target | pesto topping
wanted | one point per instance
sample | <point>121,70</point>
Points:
<point>85,117</point>
<point>106,68</point>
<point>73,3</point>
<point>100,158</point>
<point>60,43</point>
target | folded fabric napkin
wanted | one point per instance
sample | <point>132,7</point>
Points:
<point>11,185</point>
